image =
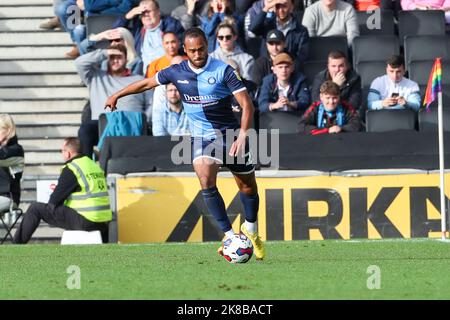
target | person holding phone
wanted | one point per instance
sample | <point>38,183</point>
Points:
<point>393,90</point>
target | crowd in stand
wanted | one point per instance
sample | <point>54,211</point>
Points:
<point>143,41</point>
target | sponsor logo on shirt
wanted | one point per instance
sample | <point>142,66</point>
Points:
<point>183,81</point>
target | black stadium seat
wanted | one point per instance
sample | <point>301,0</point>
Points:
<point>428,120</point>
<point>420,22</point>
<point>370,70</point>
<point>284,121</point>
<point>427,48</point>
<point>379,25</point>
<point>311,68</point>
<point>363,48</point>
<point>319,47</point>
<point>390,120</point>
<point>419,71</point>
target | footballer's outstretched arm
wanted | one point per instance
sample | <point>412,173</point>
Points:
<point>135,87</point>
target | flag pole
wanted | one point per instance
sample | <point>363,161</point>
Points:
<point>441,166</point>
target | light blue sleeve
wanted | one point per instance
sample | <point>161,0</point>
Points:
<point>413,101</point>
<point>374,101</point>
<point>158,122</point>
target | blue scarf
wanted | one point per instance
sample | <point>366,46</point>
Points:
<point>321,122</point>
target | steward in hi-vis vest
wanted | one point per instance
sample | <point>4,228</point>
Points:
<point>79,201</point>
<point>92,201</point>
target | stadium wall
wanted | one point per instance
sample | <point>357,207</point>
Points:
<point>294,205</point>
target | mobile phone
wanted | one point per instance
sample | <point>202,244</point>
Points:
<point>394,95</point>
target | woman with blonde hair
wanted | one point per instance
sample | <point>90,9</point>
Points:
<point>11,161</point>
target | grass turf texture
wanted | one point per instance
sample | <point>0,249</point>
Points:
<point>410,269</point>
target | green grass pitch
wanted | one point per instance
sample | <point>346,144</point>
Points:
<point>408,269</point>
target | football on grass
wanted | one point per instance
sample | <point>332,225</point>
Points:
<point>237,249</point>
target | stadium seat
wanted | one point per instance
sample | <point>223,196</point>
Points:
<point>386,26</point>
<point>9,214</point>
<point>370,70</point>
<point>363,48</point>
<point>97,24</point>
<point>419,71</point>
<point>311,68</point>
<point>286,122</point>
<point>167,6</point>
<point>420,22</point>
<point>390,120</point>
<point>419,48</point>
<point>254,46</point>
<point>428,120</point>
<point>319,47</point>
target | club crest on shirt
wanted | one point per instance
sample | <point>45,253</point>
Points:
<point>211,80</point>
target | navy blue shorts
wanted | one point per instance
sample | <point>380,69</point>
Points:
<point>218,151</point>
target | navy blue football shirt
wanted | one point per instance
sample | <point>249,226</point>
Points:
<point>206,94</point>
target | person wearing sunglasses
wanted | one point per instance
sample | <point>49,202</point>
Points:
<point>228,49</point>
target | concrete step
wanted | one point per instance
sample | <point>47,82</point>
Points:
<point>47,131</point>
<point>31,11</point>
<point>25,2</point>
<point>44,92</point>
<point>28,196</point>
<point>42,170</point>
<point>38,118</point>
<point>41,144</point>
<point>35,38</point>
<point>37,66</point>
<point>45,157</point>
<point>6,3</point>
<point>35,80</point>
<point>25,106</point>
<point>33,52</point>
<point>24,24</point>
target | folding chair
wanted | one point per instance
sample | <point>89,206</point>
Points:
<point>14,213</point>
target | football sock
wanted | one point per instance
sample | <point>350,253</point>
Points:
<point>250,226</point>
<point>251,205</point>
<point>216,207</point>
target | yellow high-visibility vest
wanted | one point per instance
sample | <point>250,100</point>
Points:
<point>92,202</point>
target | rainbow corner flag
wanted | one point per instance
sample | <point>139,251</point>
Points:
<point>434,83</point>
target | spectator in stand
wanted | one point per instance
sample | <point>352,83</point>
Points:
<point>102,84</point>
<point>393,90</point>
<point>147,25</point>
<point>365,5</point>
<point>339,72</point>
<point>228,49</point>
<point>11,161</point>
<point>54,22</point>
<point>327,18</point>
<point>170,119</point>
<point>443,5</point>
<point>70,13</point>
<point>220,11</point>
<point>330,114</point>
<point>275,42</point>
<point>109,7</point>
<point>159,98</point>
<point>280,15</point>
<point>189,13</point>
<point>171,45</point>
<point>284,90</point>
<point>115,36</point>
